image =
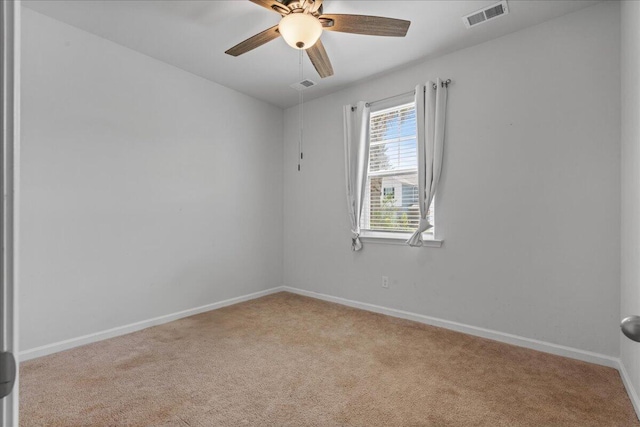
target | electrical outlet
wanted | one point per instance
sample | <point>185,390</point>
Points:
<point>385,282</point>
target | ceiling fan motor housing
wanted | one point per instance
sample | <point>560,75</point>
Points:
<point>309,6</point>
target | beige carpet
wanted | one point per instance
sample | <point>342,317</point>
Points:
<point>287,360</point>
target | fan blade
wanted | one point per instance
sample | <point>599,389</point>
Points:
<point>320,60</point>
<point>272,5</point>
<point>368,25</point>
<point>254,42</point>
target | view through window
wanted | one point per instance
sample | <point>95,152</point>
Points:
<point>391,197</point>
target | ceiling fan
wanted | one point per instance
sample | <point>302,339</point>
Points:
<point>302,24</point>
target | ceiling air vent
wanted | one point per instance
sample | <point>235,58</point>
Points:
<point>305,84</point>
<point>486,14</point>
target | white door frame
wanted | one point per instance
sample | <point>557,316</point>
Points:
<point>9,179</point>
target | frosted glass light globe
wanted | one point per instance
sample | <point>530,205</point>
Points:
<point>300,30</point>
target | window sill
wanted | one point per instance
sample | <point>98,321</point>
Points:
<point>398,239</point>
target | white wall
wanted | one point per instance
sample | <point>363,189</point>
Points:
<point>630,290</point>
<point>145,190</point>
<point>529,204</point>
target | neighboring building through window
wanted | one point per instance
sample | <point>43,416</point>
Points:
<point>391,198</point>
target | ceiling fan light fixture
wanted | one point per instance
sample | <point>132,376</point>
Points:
<point>300,30</point>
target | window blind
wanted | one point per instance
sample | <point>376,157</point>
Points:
<point>391,197</point>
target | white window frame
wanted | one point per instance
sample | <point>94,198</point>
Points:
<point>430,239</point>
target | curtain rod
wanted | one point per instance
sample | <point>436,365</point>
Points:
<point>412,92</point>
<point>369,104</point>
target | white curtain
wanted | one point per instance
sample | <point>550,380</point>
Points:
<point>431,107</point>
<point>356,158</point>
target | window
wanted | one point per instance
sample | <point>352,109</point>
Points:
<point>389,192</point>
<point>391,197</point>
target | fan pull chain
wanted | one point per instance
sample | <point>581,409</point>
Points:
<point>300,111</point>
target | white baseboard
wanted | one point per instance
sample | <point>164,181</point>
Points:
<point>546,347</point>
<point>631,391</point>
<point>133,327</point>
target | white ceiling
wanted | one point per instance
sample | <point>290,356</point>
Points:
<point>193,36</point>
